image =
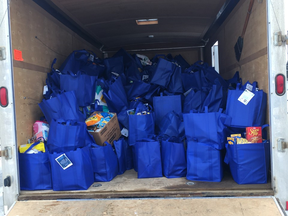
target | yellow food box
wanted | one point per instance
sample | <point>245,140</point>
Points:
<point>235,135</point>
<point>242,141</point>
<point>230,140</point>
<point>39,147</point>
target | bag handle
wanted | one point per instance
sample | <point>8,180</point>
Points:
<point>52,65</point>
<point>238,86</point>
<point>227,156</point>
<point>194,111</point>
<point>157,56</point>
<point>32,146</point>
<point>146,140</point>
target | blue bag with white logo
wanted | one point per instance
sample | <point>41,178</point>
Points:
<point>247,113</point>
<point>72,171</point>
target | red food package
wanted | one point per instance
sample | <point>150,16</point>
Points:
<point>254,134</point>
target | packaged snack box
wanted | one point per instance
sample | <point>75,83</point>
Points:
<point>254,134</point>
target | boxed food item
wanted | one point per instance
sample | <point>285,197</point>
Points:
<point>254,134</point>
<point>37,148</point>
<point>106,129</point>
<point>242,141</point>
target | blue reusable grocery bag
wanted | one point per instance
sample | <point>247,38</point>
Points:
<point>63,106</point>
<point>252,114</point>
<point>182,62</point>
<point>204,162</point>
<point>138,89</point>
<point>163,73</point>
<point>113,65</point>
<point>82,84</point>
<point>124,155</point>
<point>234,81</point>
<point>67,136</point>
<point>130,66</point>
<point>249,163</point>
<point>194,100</point>
<point>93,69</point>
<point>140,126</point>
<point>52,82</point>
<point>75,61</point>
<point>165,104</point>
<point>213,76</point>
<point>175,84</point>
<point>194,80</point>
<point>215,99</point>
<point>115,95</point>
<point>35,170</point>
<point>207,127</point>
<point>173,158</point>
<point>171,125</point>
<point>105,163</point>
<point>79,176</point>
<point>148,155</point>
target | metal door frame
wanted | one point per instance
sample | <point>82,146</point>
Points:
<point>7,114</point>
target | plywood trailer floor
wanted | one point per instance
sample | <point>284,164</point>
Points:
<point>197,207</point>
<point>128,185</point>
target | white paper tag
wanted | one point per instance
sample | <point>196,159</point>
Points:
<point>45,89</point>
<point>249,87</point>
<point>144,77</point>
<point>64,161</point>
<point>187,92</point>
<point>115,74</point>
<point>246,96</point>
<point>91,57</point>
<point>124,132</point>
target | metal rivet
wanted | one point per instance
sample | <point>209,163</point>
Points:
<point>97,185</point>
<point>190,183</point>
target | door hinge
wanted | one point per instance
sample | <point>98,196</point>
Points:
<point>2,53</point>
<point>279,39</point>
<point>7,153</point>
<point>281,145</point>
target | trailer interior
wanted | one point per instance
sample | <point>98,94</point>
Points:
<point>48,29</point>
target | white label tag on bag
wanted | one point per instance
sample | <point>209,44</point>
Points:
<point>64,161</point>
<point>249,87</point>
<point>246,96</point>
<point>91,57</point>
<point>144,77</point>
<point>45,90</point>
<point>124,132</point>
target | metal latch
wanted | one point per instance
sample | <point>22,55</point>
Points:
<point>2,53</point>
<point>279,39</point>
<point>7,152</point>
<point>281,144</point>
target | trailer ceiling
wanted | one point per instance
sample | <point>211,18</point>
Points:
<point>112,23</point>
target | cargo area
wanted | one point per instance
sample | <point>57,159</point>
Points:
<point>42,37</point>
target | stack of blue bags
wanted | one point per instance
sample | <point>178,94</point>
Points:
<point>178,117</point>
